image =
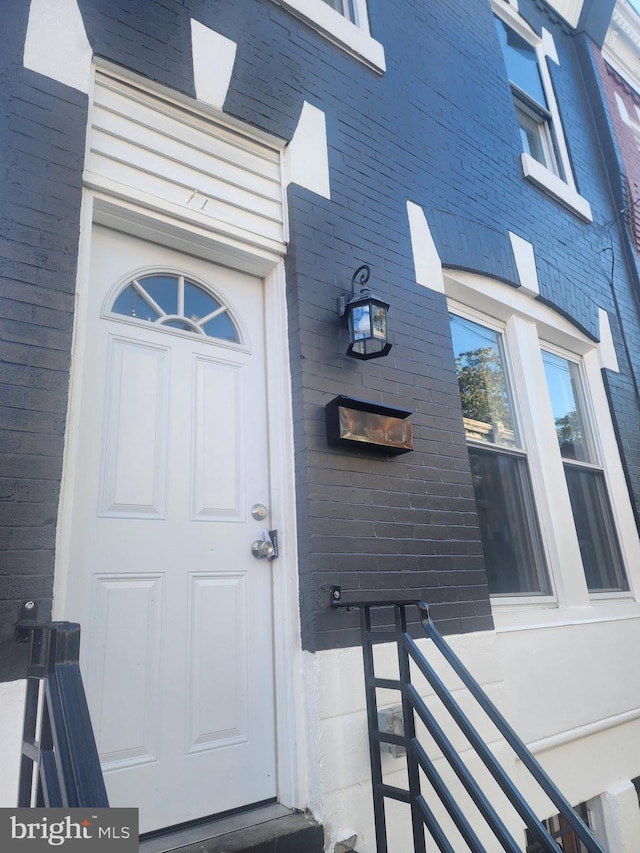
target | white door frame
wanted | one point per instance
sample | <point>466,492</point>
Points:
<point>290,729</point>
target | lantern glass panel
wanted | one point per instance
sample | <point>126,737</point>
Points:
<point>379,324</point>
<point>361,322</point>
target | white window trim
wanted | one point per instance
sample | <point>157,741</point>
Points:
<point>545,463</point>
<point>528,327</point>
<point>556,187</point>
<point>562,189</point>
<point>607,446</point>
<point>354,38</point>
<point>511,335</point>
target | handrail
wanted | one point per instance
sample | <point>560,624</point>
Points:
<point>417,756</point>
<point>60,764</point>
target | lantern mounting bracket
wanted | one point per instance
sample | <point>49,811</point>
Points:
<point>363,272</point>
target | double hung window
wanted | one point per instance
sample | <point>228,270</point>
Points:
<point>508,524</point>
<point>553,518</point>
<point>545,156</point>
<point>592,515</point>
<point>529,98</point>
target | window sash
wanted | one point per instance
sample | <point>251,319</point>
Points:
<point>522,63</point>
<point>485,392</point>
<point>568,402</point>
<point>536,133</point>
<point>592,515</point>
<point>597,537</point>
<point>512,545</point>
<point>507,518</point>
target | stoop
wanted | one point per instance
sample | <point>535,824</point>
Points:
<point>266,829</point>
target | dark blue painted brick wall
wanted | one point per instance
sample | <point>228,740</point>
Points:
<point>43,128</point>
<point>437,128</point>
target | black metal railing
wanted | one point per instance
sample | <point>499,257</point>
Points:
<point>419,760</point>
<point>60,764</point>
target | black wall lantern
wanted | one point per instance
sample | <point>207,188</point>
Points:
<point>366,317</point>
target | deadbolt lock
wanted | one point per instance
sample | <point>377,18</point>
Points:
<point>259,512</point>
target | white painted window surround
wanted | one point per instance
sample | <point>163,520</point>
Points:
<point>528,326</point>
<point>563,189</point>
<point>354,37</point>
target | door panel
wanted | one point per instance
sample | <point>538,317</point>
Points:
<point>219,607</point>
<point>175,612</point>
<point>134,466</point>
<point>218,478</point>
<point>134,602</point>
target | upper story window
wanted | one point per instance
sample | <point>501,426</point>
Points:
<point>345,23</point>
<point>545,157</point>
<point>530,101</point>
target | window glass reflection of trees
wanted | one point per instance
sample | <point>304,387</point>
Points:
<point>486,404</point>
<point>511,542</point>
<point>565,391</point>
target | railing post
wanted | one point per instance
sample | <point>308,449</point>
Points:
<point>413,771</point>
<point>58,744</point>
<point>379,816</point>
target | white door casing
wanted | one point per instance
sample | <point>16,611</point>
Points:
<point>172,451</point>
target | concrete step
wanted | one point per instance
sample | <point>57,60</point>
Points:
<point>296,833</point>
<point>269,829</point>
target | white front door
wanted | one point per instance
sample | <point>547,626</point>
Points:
<point>172,454</point>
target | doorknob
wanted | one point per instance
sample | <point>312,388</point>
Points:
<point>267,548</point>
<point>262,549</point>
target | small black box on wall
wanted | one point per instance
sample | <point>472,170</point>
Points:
<point>363,425</point>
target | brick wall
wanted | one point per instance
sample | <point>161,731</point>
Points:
<point>407,525</point>
<point>402,525</point>
<point>438,128</point>
<point>43,145</point>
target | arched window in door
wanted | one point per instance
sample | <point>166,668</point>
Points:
<point>170,300</point>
